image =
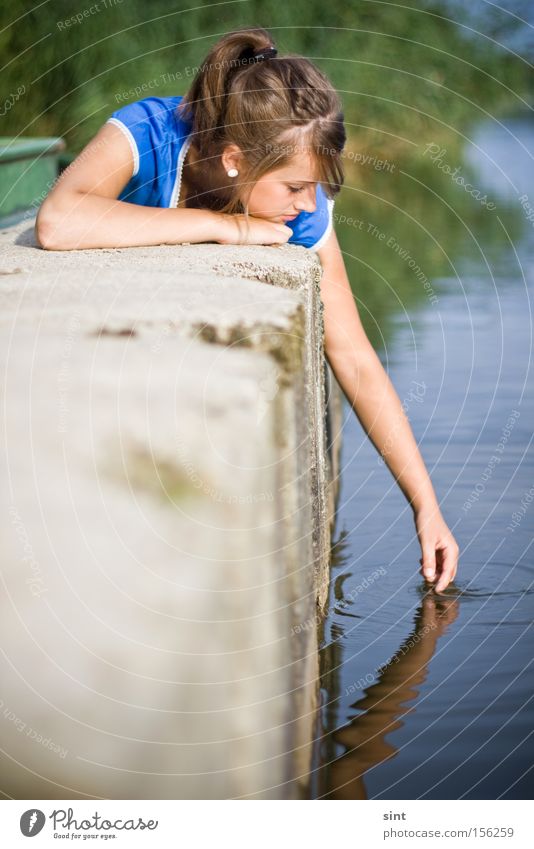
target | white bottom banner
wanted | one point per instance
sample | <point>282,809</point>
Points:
<point>266,823</point>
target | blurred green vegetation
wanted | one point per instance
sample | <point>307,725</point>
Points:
<point>417,214</point>
<point>403,71</point>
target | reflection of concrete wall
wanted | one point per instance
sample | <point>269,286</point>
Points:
<point>167,507</point>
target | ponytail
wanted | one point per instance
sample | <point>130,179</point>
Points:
<point>204,106</point>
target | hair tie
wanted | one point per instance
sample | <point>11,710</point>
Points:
<point>266,53</point>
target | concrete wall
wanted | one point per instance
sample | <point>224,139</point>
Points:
<point>167,504</point>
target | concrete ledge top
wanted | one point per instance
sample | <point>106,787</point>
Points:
<point>288,266</point>
<point>215,293</point>
<point>118,295</point>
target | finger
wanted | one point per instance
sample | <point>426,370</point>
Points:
<point>448,568</point>
<point>422,571</point>
<point>429,563</point>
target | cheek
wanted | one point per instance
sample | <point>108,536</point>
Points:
<point>267,196</point>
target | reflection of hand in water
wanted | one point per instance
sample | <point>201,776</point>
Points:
<point>384,702</point>
<point>440,610</point>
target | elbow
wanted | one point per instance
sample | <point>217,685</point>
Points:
<point>45,232</point>
<point>355,363</point>
<point>48,231</point>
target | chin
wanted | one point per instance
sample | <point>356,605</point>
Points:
<point>275,216</point>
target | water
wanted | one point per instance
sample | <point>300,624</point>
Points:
<point>509,22</point>
<point>427,697</point>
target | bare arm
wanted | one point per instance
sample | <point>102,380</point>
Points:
<point>371,394</point>
<point>82,211</point>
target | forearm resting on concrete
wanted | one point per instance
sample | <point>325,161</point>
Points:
<point>378,407</point>
<point>78,221</point>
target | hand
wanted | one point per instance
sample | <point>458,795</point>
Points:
<point>236,230</point>
<point>439,562</point>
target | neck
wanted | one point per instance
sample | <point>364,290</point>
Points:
<point>198,183</point>
<point>190,173</point>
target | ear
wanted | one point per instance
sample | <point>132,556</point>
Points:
<point>231,157</point>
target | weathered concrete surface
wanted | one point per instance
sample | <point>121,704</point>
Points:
<point>166,529</point>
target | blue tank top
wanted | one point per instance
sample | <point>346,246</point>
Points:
<point>159,140</point>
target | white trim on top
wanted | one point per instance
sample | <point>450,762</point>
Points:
<point>131,141</point>
<point>324,237</point>
<point>175,195</point>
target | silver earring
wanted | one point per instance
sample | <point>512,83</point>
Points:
<point>233,172</point>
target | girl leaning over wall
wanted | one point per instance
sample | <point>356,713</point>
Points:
<point>251,154</point>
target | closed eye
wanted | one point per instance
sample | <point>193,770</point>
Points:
<point>296,189</point>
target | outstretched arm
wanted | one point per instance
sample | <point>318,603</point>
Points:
<point>370,392</point>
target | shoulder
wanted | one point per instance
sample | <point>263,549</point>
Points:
<point>311,229</point>
<point>151,113</point>
<point>148,123</point>
<point>152,109</point>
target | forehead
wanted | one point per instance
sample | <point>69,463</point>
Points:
<point>302,168</point>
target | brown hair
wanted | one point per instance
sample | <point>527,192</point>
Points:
<point>269,108</point>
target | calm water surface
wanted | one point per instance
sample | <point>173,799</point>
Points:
<point>424,696</point>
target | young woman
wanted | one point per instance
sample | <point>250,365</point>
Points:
<point>250,155</point>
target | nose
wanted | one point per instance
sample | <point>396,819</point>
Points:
<point>306,200</point>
